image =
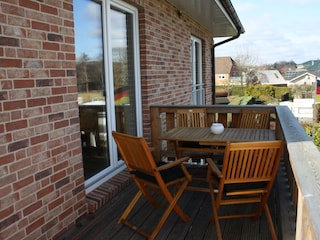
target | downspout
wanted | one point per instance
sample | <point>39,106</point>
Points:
<point>213,62</point>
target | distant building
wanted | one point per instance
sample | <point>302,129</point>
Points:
<point>288,75</point>
<point>303,79</point>
<point>271,77</point>
<point>226,70</point>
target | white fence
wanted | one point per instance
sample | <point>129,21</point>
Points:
<point>302,109</point>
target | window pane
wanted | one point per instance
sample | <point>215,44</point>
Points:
<point>123,71</point>
<point>91,88</point>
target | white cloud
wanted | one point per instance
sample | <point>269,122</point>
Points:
<point>92,12</point>
<point>276,30</point>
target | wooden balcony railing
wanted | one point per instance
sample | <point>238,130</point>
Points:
<point>301,160</point>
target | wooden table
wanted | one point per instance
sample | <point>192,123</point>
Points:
<point>211,143</point>
<point>205,136</point>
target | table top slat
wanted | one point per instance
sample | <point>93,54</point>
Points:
<point>192,134</point>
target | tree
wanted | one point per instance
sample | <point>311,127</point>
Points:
<point>82,76</point>
<point>282,66</point>
<point>254,81</point>
<point>246,62</point>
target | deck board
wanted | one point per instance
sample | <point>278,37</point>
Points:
<point>196,204</point>
<point>103,223</point>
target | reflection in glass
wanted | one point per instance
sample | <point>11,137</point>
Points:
<point>90,82</point>
<point>123,71</point>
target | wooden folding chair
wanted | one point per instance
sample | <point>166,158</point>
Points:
<point>247,176</point>
<point>196,117</point>
<point>250,118</point>
<point>188,117</point>
<point>151,177</point>
<point>193,117</point>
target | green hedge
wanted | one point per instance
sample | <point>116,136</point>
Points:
<point>259,91</point>
<point>238,91</point>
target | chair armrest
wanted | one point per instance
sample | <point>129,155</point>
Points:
<point>172,164</point>
<point>213,167</point>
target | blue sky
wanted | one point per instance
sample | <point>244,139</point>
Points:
<point>276,30</point>
<point>88,32</point>
<point>87,36</point>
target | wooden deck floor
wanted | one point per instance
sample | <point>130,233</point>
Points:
<point>103,225</point>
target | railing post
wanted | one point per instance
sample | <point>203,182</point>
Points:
<point>155,131</point>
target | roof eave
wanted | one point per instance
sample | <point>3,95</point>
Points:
<point>217,16</point>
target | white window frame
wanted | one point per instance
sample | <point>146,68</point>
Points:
<point>196,66</point>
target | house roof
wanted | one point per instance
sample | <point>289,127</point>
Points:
<point>223,65</point>
<point>302,76</point>
<point>272,77</point>
<point>288,75</point>
<point>218,16</point>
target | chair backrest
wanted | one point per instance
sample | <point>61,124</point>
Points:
<point>251,162</point>
<point>196,117</point>
<point>135,153</point>
<point>250,118</point>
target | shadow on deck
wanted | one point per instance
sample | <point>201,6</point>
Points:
<point>103,223</point>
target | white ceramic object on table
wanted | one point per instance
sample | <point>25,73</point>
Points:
<point>217,128</point>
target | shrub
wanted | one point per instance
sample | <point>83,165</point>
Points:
<point>260,90</point>
<point>281,91</point>
<point>238,91</point>
<point>308,129</point>
<point>245,100</point>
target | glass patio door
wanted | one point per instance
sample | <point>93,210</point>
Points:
<point>108,81</point>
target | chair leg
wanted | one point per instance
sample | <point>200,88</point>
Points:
<point>271,226</point>
<point>150,198</point>
<point>215,217</point>
<point>130,207</point>
<point>123,218</point>
<point>172,206</point>
<point>174,201</point>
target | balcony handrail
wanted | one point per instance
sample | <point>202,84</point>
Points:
<point>304,159</point>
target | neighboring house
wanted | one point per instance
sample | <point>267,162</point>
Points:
<point>312,66</point>
<point>303,79</point>
<point>136,53</point>
<point>271,77</point>
<point>225,70</point>
<point>288,75</point>
<point>303,85</point>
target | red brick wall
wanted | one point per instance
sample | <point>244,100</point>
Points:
<point>42,185</point>
<point>165,56</point>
